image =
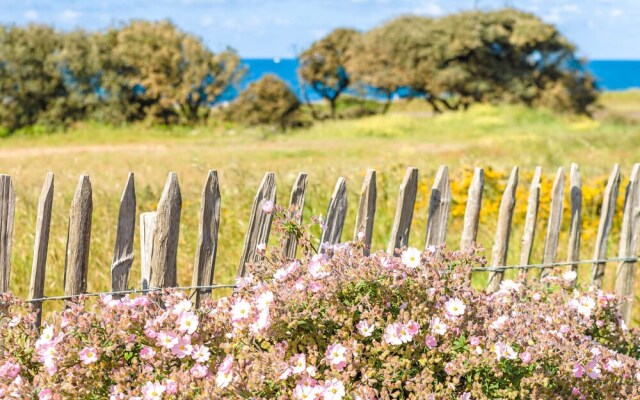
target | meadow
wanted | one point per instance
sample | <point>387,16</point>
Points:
<point>494,137</point>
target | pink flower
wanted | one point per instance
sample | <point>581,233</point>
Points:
<point>337,356</point>
<point>438,327</point>
<point>431,342</point>
<point>200,353</point>
<point>88,355</point>
<point>306,391</point>
<point>333,390</point>
<point>593,370</point>
<point>225,374</point>
<point>412,327</point>
<point>182,307</point>
<point>182,348</point>
<point>575,391</point>
<point>171,386</point>
<point>392,334</point>
<point>298,363</point>
<point>167,339</point>
<point>267,206</point>
<point>465,396</point>
<point>578,370</point>
<point>147,353</point>
<point>260,247</point>
<point>153,390</point>
<point>45,394</point>
<point>199,371</point>
<point>364,328</point>
<point>525,357</point>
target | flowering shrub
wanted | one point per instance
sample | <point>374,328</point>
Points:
<point>329,326</point>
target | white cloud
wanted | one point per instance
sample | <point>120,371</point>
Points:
<point>31,15</point>
<point>206,22</point>
<point>431,9</point>
<point>69,15</point>
<point>616,12</point>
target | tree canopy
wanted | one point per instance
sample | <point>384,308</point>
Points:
<point>323,64</point>
<point>141,70</point>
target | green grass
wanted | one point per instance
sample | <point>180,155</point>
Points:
<point>487,136</point>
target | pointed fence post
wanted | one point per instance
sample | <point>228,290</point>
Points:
<point>554,224</point>
<point>604,228</point>
<point>573,252</point>
<point>629,237</point>
<point>531,217</point>
<point>503,231</point>
<point>366,211</point>
<point>336,214</point>
<point>439,209</point>
<point>205,261</point>
<point>43,225</point>
<point>404,211</point>
<point>165,236</point>
<point>259,223</point>
<point>472,210</point>
<point>296,201</point>
<point>123,251</point>
<point>78,239</point>
<point>7,213</point>
<point>147,227</point>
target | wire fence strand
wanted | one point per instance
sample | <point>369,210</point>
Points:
<point>231,286</point>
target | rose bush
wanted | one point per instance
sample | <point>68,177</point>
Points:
<point>338,325</point>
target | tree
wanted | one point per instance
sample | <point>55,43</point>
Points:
<point>268,101</point>
<point>393,57</point>
<point>171,73</point>
<point>323,65</point>
<point>30,84</point>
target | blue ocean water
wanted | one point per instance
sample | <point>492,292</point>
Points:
<point>610,74</point>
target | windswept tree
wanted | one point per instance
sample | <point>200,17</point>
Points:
<point>172,73</point>
<point>31,87</point>
<point>323,66</point>
<point>393,57</point>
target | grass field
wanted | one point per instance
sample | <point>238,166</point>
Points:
<point>496,138</point>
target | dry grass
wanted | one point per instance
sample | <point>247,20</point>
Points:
<point>492,137</point>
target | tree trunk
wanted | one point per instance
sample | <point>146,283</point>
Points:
<point>332,104</point>
<point>387,104</point>
<point>433,104</point>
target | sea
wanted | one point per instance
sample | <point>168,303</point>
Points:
<point>612,75</point>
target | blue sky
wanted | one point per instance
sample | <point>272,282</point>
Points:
<point>602,29</point>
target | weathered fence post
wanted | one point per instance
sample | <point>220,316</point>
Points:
<point>439,204</point>
<point>7,211</point>
<point>472,210</point>
<point>530,219</point>
<point>554,224</point>
<point>259,222</point>
<point>43,225</point>
<point>165,236</point>
<point>573,253</point>
<point>123,250</point>
<point>78,239</point>
<point>366,211</point>
<point>604,228</point>
<point>205,261</point>
<point>503,231</point>
<point>629,237</point>
<point>404,211</point>
<point>296,201</point>
<point>147,227</point>
<point>336,214</point>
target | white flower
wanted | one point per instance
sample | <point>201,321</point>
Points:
<point>585,305</point>
<point>455,307</point>
<point>411,257</point>
<point>570,276</point>
<point>499,323</point>
<point>438,327</point>
<point>364,328</point>
<point>188,323</point>
<point>267,207</point>
<point>333,390</point>
<point>264,300</point>
<point>261,247</point>
<point>240,310</point>
<point>510,285</point>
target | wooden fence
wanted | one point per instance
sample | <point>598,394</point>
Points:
<point>159,230</point>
